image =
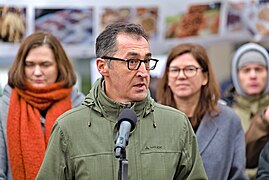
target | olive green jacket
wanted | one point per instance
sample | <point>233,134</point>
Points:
<point>162,146</point>
<point>256,129</point>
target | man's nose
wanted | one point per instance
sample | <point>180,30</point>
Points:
<point>253,73</point>
<point>142,70</point>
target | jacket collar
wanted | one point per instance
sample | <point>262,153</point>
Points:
<point>206,131</point>
<point>111,109</point>
<point>252,104</point>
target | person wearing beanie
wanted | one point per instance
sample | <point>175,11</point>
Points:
<point>251,99</point>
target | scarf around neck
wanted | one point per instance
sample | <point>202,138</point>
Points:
<point>251,105</point>
<point>25,137</point>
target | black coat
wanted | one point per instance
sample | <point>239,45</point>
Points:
<point>263,167</point>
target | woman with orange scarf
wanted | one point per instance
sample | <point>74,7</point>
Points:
<point>40,88</point>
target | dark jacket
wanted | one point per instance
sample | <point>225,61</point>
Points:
<point>263,167</point>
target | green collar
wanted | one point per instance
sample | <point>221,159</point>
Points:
<point>110,109</point>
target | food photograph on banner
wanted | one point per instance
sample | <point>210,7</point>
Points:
<point>256,18</point>
<point>196,20</point>
<point>72,26</point>
<point>12,23</point>
<point>251,16</point>
<point>146,16</point>
<point>234,21</point>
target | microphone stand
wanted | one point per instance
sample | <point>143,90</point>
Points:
<point>123,165</point>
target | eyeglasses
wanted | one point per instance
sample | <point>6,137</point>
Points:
<point>189,71</point>
<point>134,64</point>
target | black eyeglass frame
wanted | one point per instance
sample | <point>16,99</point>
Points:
<point>128,60</point>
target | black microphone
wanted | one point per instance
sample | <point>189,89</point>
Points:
<point>126,123</point>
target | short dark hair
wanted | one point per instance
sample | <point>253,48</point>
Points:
<point>66,73</point>
<point>106,41</point>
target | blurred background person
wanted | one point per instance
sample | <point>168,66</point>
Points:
<point>251,99</point>
<point>40,88</point>
<point>189,85</point>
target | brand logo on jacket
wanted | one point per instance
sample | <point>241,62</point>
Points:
<point>153,147</point>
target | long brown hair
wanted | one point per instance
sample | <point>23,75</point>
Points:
<point>66,73</point>
<point>210,93</point>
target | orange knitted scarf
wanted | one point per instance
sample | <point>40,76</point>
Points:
<point>25,137</point>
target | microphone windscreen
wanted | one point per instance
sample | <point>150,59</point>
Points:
<point>128,115</point>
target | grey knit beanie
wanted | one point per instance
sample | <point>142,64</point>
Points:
<point>251,56</point>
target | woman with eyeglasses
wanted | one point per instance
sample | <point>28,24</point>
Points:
<point>189,84</point>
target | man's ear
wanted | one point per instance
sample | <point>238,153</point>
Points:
<point>102,67</point>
